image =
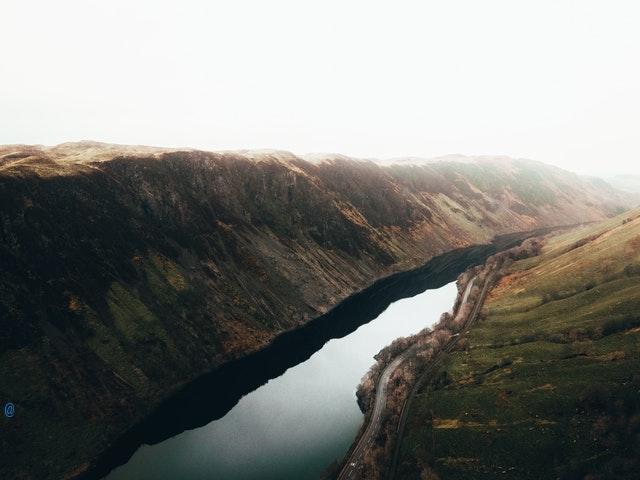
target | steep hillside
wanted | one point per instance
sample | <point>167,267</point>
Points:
<point>128,271</point>
<point>548,385</point>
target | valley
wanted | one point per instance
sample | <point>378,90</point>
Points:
<point>129,272</point>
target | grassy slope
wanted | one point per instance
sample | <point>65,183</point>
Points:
<point>549,384</point>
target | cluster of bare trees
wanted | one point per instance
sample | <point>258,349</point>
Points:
<point>426,344</point>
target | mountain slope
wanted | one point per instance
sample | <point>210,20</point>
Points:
<point>128,271</point>
<point>547,386</point>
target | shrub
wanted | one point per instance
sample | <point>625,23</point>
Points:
<point>594,398</point>
<point>446,320</point>
<point>620,324</point>
<point>632,270</point>
<point>503,362</point>
<point>441,337</point>
<point>557,338</point>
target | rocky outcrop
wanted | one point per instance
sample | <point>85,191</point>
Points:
<point>129,271</point>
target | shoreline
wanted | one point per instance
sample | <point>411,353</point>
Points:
<point>191,405</point>
<point>455,325</point>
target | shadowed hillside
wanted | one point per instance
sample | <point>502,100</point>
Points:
<point>129,271</point>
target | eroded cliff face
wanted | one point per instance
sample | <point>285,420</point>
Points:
<point>128,271</point>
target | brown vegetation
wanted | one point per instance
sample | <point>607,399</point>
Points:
<point>428,344</point>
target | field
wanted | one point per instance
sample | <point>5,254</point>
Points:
<point>548,384</point>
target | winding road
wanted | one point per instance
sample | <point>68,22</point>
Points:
<point>353,467</point>
<point>428,373</point>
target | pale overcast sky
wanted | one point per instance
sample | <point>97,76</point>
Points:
<point>556,81</point>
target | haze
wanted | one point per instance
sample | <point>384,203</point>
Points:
<point>555,81</point>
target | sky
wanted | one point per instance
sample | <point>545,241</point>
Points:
<point>556,81</point>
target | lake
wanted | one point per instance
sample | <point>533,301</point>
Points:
<point>294,425</point>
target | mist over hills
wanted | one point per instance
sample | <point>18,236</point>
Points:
<point>626,183</point>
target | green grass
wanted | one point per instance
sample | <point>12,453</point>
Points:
<point>549,385</point>
<point>132,317</point>
<point>164,278</point>
<point>109,348</point>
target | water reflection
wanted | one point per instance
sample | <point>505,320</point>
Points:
<point>296,424</point>
<point>212,396</point>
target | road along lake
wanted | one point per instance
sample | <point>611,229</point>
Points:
<point>288,410</point>
<point>295,425</point>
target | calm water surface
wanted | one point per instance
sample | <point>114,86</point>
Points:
<point>295,425</point>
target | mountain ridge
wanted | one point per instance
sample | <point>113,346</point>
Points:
<point>128,271</point>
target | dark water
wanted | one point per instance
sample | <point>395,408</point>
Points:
<point>285,409</point>
<point>295,425</point>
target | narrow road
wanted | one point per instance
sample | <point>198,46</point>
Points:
<point>428,373</point>
<point>465,296</point>
<point>353,467</point>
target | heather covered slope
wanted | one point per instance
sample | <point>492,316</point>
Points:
<point>548,384</point>
<point>128,271</point>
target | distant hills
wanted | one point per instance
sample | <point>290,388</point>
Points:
<point>627,183</point>
<point>128,271</point>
